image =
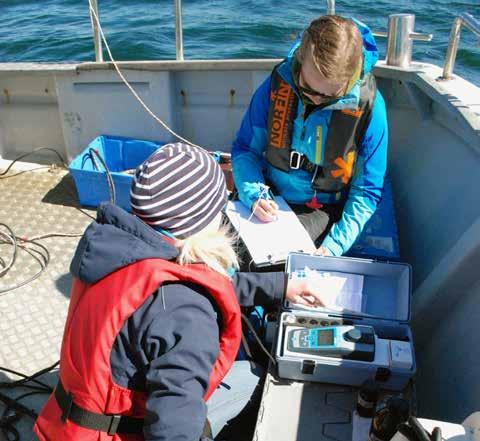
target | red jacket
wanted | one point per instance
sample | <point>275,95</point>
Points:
<point>96,315</point>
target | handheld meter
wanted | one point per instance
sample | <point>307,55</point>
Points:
<point>349,342</point>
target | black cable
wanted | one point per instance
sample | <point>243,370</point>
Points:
<point>26,378</point>
<point>257,338</point>
<point>12,413</point>
<point>63,163</point>
<point>21,172</point>
<point>420,433</point>
<point>41,255</point>
<point>43,260</point>
<point>2,174</point>
<point>13,240</point>
<point>12,403</point>
<point>37,255</point>
<point>14,410</point>
<point>111,185</point>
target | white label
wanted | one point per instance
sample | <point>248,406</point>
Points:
<point>401,354</point>
<point>381,243</point>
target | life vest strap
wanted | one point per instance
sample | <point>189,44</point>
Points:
<point>300,161</point>
<point>111,424</point>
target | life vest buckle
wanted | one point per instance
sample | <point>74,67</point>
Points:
<point>295,160</point>
<point>114,422</point>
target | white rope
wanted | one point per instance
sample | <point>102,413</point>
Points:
<point>135,94</point>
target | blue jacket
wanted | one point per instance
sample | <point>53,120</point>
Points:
<point>250,167</point>
<point>168,346</point>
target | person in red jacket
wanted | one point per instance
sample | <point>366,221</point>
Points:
<point>153,326</point>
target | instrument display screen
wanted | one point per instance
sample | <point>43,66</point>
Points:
<point>325,337</point>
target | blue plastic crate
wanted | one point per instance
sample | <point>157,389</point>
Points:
<point>379,238</point>
<point>120,154</point>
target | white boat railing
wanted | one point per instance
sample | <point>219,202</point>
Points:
<point>470,23</point>
<point>178,28</point>
<point>97,38</point>
<point>400,36</point>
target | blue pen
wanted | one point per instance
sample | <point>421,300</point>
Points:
<point>270,196</point>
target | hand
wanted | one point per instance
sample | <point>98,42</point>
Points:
<point>265,209</point>
<point>322,251</point>
<point>303,292</point>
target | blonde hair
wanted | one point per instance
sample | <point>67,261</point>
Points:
<point>212,246</point>
<point>335,45</point>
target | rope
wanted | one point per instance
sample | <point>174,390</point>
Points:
<point>134,92</point>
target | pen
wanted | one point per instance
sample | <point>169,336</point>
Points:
<point>270,196</point>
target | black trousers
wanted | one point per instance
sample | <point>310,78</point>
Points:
<point>318,221</point>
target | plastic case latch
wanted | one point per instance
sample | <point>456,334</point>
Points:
<point>308,367</point>
<point>382,374</point>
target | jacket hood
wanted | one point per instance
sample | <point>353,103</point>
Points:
<point>116,239</point>
<point>370,57</point>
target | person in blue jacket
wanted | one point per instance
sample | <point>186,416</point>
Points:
<point>316,133</point>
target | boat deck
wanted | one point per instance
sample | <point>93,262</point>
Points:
<point>32,317</point>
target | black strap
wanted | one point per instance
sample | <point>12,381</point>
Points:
<point>305,164</point>
<point>110,424</point>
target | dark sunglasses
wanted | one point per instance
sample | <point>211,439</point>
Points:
<point>306,90</point>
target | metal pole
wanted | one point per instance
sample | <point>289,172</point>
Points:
<point>470,23</point>
<point>330,7</point>
<point>399,44</point>
<point>452,48</point>
<point>97,39</point>
<point>178,29</point>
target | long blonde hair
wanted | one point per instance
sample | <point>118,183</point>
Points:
<point>213,246</point>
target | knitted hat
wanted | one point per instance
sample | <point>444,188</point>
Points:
<point>179,188</point>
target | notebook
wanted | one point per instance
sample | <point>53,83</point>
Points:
<point>270,242</point>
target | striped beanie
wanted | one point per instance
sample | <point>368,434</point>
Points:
<point>180,188</point>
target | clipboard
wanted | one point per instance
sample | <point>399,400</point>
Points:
<point>270,243</point>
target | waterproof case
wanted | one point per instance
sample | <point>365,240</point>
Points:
<point>383,304</point>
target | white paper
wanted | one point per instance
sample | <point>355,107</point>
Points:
<point>270,242</point>
<point>340,291</point>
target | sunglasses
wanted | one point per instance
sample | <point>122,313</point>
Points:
<point>306,90</point>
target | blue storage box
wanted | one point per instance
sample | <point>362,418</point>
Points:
<point>120,154</point>
<point>379,238</point>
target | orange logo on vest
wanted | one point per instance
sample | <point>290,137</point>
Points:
<point>281,111</point>
<point>345,169</point>
<point>357,113</point>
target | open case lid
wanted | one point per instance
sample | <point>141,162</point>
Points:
<point>377,290</point>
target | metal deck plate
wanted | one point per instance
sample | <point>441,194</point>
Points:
<point>32,317</point>
<point>302,411</point>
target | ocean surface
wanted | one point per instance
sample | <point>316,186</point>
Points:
<point>60,30</point>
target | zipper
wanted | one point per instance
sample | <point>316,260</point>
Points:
<point>302,133</point>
